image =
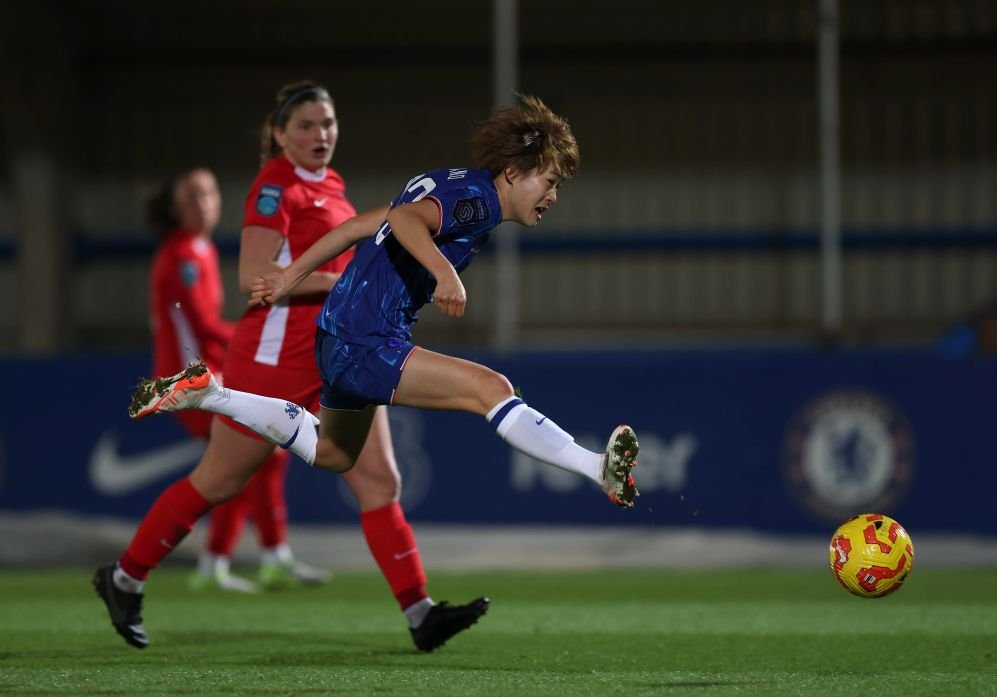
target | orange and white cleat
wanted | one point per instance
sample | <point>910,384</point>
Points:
<point>185,390</point>
<point>620,459</point>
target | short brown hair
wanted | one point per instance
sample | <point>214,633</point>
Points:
<point>289,97</point>
<point>527,136</point>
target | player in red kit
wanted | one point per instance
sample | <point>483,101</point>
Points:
<point>295,200</point>
<point>185,289</point>
<point>186,300</point>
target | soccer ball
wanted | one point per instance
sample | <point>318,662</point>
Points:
<point>871,555</point>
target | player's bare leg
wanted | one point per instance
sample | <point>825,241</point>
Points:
<point>342,435</point>
<point>437,381</point>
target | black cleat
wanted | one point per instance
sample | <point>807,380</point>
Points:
<point>124,608</point>
<point>444,621</point>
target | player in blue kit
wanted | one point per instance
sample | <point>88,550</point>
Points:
<point>363,345</point>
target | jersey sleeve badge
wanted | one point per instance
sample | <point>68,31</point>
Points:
<point>468,211</point>
<point>189,273</point>
<point>268,200</point>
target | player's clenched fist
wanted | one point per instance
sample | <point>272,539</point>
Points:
<point>450,296</point>
<point>266,289</point>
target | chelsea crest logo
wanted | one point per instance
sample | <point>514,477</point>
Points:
<point>846,451</point>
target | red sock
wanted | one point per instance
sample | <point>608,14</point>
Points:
<point>167,523</point>
<point>266,490</point>
<point>227,521</point>
<point>392,543</point>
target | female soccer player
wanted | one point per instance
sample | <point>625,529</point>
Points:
<point>186,298</point>
<point>430,233</point>
<point>295,199</point>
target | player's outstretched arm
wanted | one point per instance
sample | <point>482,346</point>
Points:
<point>268,288</point>
<point>413,225</point>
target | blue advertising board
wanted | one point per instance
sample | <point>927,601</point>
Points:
<point>773,440</point>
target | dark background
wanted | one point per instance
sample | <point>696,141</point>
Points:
<point>697,123</point>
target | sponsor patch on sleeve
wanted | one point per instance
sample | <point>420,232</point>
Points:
<point>268,200</point>
<point>468,211</point>
<point>189,272</point>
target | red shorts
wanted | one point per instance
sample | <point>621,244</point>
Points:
<point>299,386</point>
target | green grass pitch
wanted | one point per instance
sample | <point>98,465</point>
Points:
<point>731,632</point>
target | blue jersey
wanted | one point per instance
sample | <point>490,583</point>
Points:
<point>381,291</point>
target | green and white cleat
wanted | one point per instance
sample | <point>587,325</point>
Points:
<point>222,581</point>
<point>620,459</point>
<point>291,575</point>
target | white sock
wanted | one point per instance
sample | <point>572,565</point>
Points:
<point>417,611</point>
<point>222,565</point>
<point>206,563</point>
<point>281,422</point>
<point>279,555</point>
<point>125,582</point>
<point>530,432</point>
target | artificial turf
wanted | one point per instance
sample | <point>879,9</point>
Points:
<point>730,632</point>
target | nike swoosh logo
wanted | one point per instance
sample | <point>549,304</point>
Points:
<point>115,475</point>
<point>290,440</point>
<point>406,553</point>
<point>540,421</point>
<point>319,202</point>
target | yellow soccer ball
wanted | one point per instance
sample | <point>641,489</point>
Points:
<point>871,555</point>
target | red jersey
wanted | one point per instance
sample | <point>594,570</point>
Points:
<point>302,206</point>
<point>186,300</point>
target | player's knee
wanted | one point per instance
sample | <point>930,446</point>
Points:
<point>217,490</point>
<point>227,492</point>
<point>375,492</point>
<point>375,481</point>
<point>492,389</point>
<point>386,488</point>
<point>216,481</point>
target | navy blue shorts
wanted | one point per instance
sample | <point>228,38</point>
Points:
<point>357,375</point>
